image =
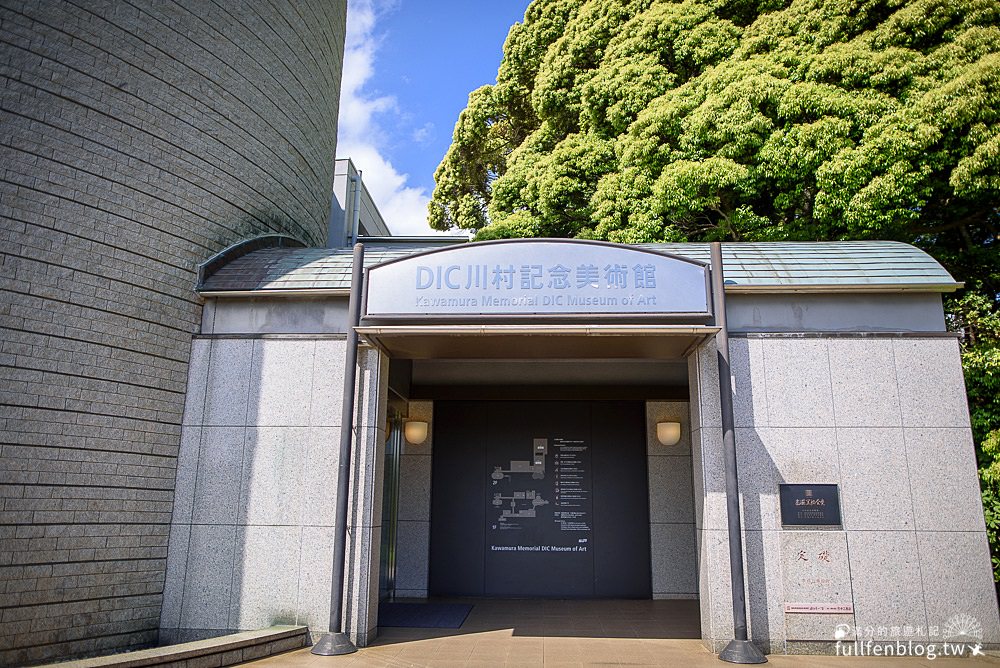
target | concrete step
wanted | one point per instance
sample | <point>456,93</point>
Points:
<point>209,653</point>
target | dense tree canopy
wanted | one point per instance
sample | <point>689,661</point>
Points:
<point>975,315</point>
<point>638,120</point>
<point>749,120</point>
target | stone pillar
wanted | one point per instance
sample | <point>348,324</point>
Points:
<point>364,531</point>
<point>710,497</point>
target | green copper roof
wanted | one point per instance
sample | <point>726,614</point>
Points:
<point>834,266</point>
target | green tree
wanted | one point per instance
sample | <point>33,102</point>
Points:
<point>977,318</point>
<point>643,120</point>
<point>693,120</point>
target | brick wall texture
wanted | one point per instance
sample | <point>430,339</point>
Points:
<point>137,138</point>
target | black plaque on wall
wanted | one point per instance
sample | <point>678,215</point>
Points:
<point>809,505</point>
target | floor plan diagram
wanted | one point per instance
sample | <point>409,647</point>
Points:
<point>536,466</point>
<point>522,504</point>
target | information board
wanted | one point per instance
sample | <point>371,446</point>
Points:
<point>539,499</point>
<point>542,505</point>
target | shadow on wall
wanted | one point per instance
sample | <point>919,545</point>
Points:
<point>252,534</point>
<point>285,517</point>
<point>758,477</point>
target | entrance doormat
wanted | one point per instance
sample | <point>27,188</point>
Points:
<point>423,615</point>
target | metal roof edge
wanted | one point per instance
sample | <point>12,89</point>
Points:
<point>735,289</point>
<point>846,289</point>
<point>244,247</point>
<point>393,240</point>
<point>282,292</point>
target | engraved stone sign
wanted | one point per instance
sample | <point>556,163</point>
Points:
<point>816,583</point>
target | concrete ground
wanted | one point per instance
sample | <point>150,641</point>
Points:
<point>570,633</point>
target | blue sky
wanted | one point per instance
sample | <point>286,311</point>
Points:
<point>409,66</point>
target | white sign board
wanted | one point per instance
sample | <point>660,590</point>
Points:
<point>550,277</point>
<point>820,608</point>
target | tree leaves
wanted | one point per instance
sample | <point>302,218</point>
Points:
<point>811,119</point>
<point>976,317</point>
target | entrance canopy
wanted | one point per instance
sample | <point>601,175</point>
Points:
<point>493,341</point>
<point>570,299</point>
<point>537,299</point>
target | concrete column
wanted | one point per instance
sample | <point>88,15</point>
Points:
<point>365,510</point>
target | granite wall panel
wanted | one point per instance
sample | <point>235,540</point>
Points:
<point>254,522</point>
<point>884,418</point>
<point>674,568</point>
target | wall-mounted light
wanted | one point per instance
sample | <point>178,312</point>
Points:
<point>668,433</point>
<point>415,431</point>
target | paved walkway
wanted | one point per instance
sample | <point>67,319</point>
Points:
<point>570,633</point>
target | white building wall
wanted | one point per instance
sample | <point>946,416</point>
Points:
<point>887,420</point>
<point>252,531</point>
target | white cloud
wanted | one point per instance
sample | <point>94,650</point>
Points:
<point>424,134</point>
<point>361,136</point>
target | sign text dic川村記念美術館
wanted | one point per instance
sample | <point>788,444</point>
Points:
<point>538,277</point>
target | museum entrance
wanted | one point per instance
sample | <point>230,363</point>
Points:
<point>539,498</point>
<point>542,381</point>
<point>545,499</point>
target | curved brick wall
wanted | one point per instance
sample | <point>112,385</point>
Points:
<point>137,139</point>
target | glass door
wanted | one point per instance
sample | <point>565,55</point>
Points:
<point>390,504</point>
